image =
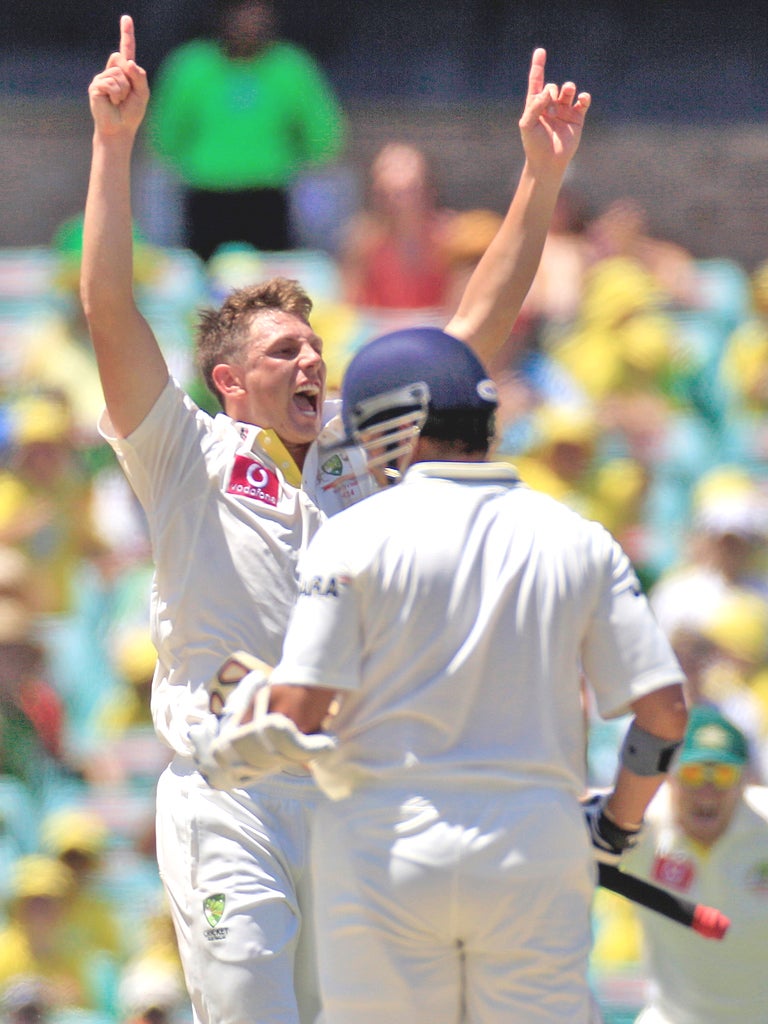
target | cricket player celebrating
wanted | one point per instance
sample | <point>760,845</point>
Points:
<point>229,517</point>
<point>451,617</point>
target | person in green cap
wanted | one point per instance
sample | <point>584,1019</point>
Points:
<point>706,838</point>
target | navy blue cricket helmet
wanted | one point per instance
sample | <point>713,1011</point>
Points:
<point>462,400</point>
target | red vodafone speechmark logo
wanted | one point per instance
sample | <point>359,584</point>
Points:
<point>257,476</point>
<point>674,872</point>
<point>250,479</point>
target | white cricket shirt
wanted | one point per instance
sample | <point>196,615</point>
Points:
<point>226,530</point>
<point>696,980</point>
<point>456,611</point>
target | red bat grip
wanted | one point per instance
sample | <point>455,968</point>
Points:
<point>709,922</point>
<point>705,920</point>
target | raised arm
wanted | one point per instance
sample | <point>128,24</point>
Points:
<point>132,368</point>
<point>550,128</point>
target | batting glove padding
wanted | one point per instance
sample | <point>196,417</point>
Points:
<point>247,742</point>
<point>231,677</point>
<point>608,839</point>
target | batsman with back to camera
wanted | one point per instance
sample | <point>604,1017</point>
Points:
<point>229,516</point>
<point>451,618</point>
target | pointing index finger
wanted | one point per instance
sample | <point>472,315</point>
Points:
<point>536,74</point>
<point>127,38</point>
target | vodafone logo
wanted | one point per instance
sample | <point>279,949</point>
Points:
<point>250,479</point>
<point>674,872</point>
<point>257,476</point>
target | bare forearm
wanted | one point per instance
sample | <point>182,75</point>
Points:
<point>499,284</point>
<point>662,714</point>
<point>631,796</point>
<point>306,706</point>
<point>131,365</point>
<point>107,268</point>
<point>132,368</point>
<point>550,129</point>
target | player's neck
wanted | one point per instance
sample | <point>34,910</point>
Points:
<point>298,452</point>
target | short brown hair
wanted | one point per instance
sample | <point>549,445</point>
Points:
<point>221,332</point>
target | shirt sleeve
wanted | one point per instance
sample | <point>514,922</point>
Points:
<point>625,653</point>
<point>164,451</point>
<point>323,644</point>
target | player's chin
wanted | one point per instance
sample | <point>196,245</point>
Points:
<point>705,824</point>
<point>305,426</point>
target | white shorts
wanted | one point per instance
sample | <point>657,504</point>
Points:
<point>453,906</point>
<point>235,868</point>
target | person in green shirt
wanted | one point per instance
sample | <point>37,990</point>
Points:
<point>236,118</point>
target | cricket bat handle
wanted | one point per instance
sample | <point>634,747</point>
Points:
<point>707,921</point>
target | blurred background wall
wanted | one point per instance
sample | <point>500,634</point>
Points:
<point>679,118</point>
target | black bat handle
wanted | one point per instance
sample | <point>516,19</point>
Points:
<point>705,920</point>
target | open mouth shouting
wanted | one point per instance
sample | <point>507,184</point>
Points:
<point>705,812</point>
<point>307,399</point>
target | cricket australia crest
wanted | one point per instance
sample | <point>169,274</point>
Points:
<point>213,909</point>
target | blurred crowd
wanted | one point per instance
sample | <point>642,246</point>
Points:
<point>634,388</point>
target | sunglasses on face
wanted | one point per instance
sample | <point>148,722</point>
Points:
<point>696,775</point>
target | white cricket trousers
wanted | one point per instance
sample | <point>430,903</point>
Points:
<point>447,907</point>
<point>235,869</point>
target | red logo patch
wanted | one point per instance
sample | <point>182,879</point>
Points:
<point>673,872</point>
<point>250,479</point>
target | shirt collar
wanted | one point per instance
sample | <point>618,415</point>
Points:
<point>269,443</point>
<point>479,472</point>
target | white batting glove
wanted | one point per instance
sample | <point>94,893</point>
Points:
<point>235,749</point>
<point>609,840</point>
<point>230,755</point>
<point>231,678</point>
<point>203,737</point>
